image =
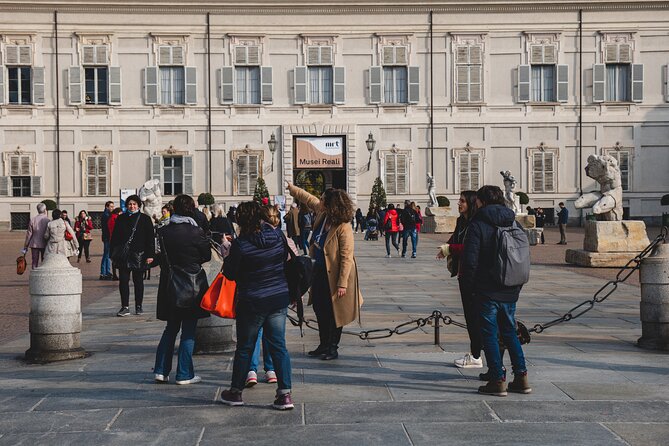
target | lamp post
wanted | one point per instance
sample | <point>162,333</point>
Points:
<point>371,143</point>
<point>272,148</point>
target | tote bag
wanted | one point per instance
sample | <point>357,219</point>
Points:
<point>219,299</point>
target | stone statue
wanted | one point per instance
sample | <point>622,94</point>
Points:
<point>607,204</point>
<point>431,191</point>
<point>511,200</point>
<point>151,197</point>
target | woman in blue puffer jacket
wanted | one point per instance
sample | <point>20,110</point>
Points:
<point>256,263</point>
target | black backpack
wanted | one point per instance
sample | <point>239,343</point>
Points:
<point>511,260</point>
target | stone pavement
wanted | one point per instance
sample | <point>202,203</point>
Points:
<point>591,385</point>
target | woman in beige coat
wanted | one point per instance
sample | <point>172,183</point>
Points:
<point>335,293</point>
<point>55,237</point>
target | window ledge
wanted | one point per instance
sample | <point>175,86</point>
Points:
<point>618,103</point>
<point>254,106</point>
<point>469,104</point>
<point>19,106</point>
<point>395,105</point>
<point>547,104</point>
<point>323,106</point>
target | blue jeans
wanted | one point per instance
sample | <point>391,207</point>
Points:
<point>391,236</point>
<point>273,324</point>
<point>414,240</point>
<point>266,357</point>
<point>105,266</point>
<point>500,316</point>
<point>166,349</point>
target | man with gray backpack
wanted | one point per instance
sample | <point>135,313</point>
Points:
<point>496,264</point>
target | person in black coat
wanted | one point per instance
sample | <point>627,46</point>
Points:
<point>185,245</point>
<point>136,229</point>
<point>220,225</point>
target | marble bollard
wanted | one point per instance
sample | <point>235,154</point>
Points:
<point>55,311</point>
<point>654,307</point>
<point>214,335</point>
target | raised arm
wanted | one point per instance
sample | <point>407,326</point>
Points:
<point>301,195</point>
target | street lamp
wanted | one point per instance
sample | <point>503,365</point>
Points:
<point>371,142</point>
<point>272,148</point>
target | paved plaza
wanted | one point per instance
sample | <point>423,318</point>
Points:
<point>591,384</point>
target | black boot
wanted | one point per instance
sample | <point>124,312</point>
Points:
<point>330,354</point>
<point>321,349</point>
<point>333,344</point>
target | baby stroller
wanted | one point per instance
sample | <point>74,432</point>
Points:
<point>372,229</point>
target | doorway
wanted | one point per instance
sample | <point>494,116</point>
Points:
<point>316,181</point>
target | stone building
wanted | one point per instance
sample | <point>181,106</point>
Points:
<point>208,95</point>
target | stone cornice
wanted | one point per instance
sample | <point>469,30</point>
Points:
<point>323,7</point>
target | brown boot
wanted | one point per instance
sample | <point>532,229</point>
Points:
<point>495,388</point>
<point>520,384</point>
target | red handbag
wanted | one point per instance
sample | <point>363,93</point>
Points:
<point>21,264</point>
<point>219,299</point>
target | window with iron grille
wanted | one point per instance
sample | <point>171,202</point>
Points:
<point>21,187</point>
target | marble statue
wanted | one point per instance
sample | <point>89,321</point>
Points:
<point>431,191</point>
<point>151,198</point>
<point>511,200</point>
<point>607,204</point>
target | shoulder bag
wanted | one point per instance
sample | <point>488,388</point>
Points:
<point>123,257</point>
<point>299,271</point>
<point>186,289</point>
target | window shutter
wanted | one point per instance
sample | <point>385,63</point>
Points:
<point>165,55</point>
<point>102,175</point>
<point>637,82</point>
<point>253,173</point>
<point>101,55</point>
<point>464,170</point>
<point>115,85</point>
<point>313,55</point>
<point>339,85</point>
<point>523,83</point>
<point>240,55</point>
<point>12,54</point>
<point>88,54</point>
<point>4,186</point>
<point>391,174</point>
<point>550,54</point>
<point>475,171</point>
<point>157,168</point>
<point>625,53</point>
<point>253,55</point>
<point>151,86</point>
<point>563,83</point>
<point>35,186</point>
<point>401,55</point>
<point>402,174</point>
<point>476,54</point>
<point>599,82</point>
<point>624,164</point>
<point>326,55</point>
<point>549,172</point>
<point>266,85</point>
<point>462,54</point>
<point>611,53</point>
<point>475,84</point>
<point>243,175</point>
<point>388,55</point>
<point>666,84</point>
<point>190,79</point>
<point>537,173</point>
<point>188,174</point>
<point>227,85</point>
<point>462,83</point>
<point>91,174</point>
<point>25,55</point>
<point>300,84</point>
<point>536,54</point>
<point>14,165</point>
<point>75,85</point>
<point>38,85</point>
<point>414,85</point>
<point>375,85</point>
<point>2,84</point>
<point>26,168</point>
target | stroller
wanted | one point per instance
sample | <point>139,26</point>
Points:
<point>372,232</point>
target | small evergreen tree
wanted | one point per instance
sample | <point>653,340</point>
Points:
<point>378,198</point>
<point>260,191</point>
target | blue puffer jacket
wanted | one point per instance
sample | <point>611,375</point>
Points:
<point>256,263</point>
<point>477,259</point>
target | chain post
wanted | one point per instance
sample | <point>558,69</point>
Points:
<point>437,317</point>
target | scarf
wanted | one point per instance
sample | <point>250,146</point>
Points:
<point>177,219</point>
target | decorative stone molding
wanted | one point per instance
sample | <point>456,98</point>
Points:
<point>19,152</point>
<point>169,39</point>
<point>83,155</point>
<point>542,148</point>
<point>234,157</point>
<point>456,157</point>
<point>172,151</point>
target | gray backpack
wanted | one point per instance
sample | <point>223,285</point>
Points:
<point>511,264</point>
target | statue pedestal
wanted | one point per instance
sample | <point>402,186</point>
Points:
<point>526,221</point>
<point>438,221</point>
<point>609,243</point>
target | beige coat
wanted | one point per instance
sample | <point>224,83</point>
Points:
<point>339,262</point>
<point>55,237</point>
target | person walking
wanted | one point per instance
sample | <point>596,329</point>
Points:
<point>540,220</point>
<point>105,264</point>
<point>56,240</point>
<point>497,301</point>
<point>83,225</point>
<point>454,247</point>
<point>335,292</point>
<point>292,220</point>
<point>391,228</point>
<point>359,221</point>
<point>382,217</point>
<point>409,219</point>
<point>110,225</point>
<point>133,229</point>
<point>256,263</point>
<point>563,219</point>
<point>35,235</point>
<point>184,245</point>
<point>66,219</point>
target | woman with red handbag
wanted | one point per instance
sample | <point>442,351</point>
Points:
<point>83,225</point>
<point>60,237</point>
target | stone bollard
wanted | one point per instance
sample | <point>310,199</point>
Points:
<point>55,311</point>
<point>214,334</point>
<point>654,279</point>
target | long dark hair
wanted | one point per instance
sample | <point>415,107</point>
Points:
<point>470,199</point>
<point>249,216</point>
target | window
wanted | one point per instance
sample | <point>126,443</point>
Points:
<point>96,179</point>
<point>246,82</point>
<point>543,80</point>
<point>320,82</point>
<point>543,83</point>
<point>395,85</point>
<point>320,85</point>
<point>173,175</point>
<point>248,85</point>
<point>247,174</point>
<point>19,85</point>
<point>20,180</point>
<point>20,186</point>
<point>543,170</point>
<point>395,82</point>
<point>469,73</point>
<point>172,85</point>
<point>617,79</point>
<point>171,82</point>
<point>624,158</point>
<point>96,85</point>
<point>469,170</point>
<point>395,173</point>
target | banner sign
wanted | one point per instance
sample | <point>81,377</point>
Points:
<point>319,152</point>
<point>123,194</point>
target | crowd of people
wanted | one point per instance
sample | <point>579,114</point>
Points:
<point>255,251</point>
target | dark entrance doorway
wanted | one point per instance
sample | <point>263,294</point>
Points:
<point>316,181</point>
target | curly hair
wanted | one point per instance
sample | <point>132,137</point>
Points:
<point>338,206</point>
<point>271,215</point>
<point>249,216</point>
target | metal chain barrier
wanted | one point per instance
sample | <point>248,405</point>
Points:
<point>437,317</point>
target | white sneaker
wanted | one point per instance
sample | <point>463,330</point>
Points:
<point>251,379</point>
<point>194,380</point>
<point>160,378</point>
<point>270,377</point>
<point>469,362</point>
<point>388,256</point>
